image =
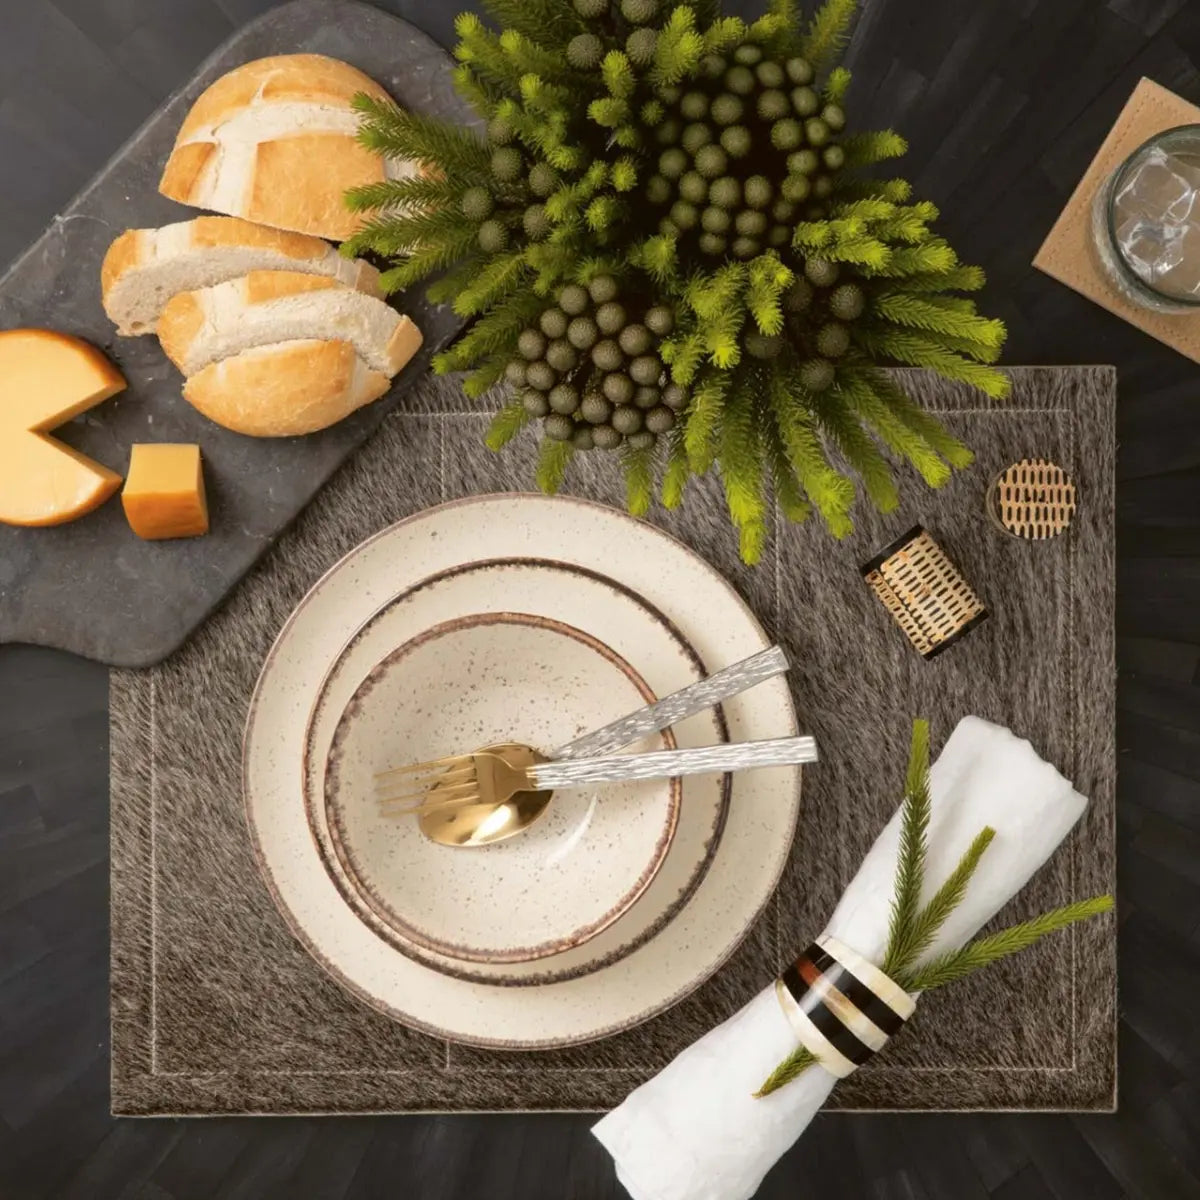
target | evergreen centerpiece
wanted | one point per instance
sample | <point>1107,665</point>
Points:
<point>670,249</point>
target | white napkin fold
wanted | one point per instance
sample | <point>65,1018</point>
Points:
<point>695,1131</point>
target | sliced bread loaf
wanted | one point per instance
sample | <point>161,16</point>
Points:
<point>201,327</point>
<point>274,141</point>
<point>285,389</point>
<point>144,268</point>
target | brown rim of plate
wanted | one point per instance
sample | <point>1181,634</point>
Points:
<point>379,921</point>
<point>334,811</point>
<point>356,989</point>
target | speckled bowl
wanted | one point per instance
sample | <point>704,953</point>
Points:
<point>625,623</point>
<point>473,682</point>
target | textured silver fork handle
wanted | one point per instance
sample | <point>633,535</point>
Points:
<point>660,764</point>
<point>678,706</point>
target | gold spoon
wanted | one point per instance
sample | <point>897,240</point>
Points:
<point>453,824</point>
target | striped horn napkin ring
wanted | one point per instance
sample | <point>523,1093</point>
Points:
<point>924,591</point>
<point>842,1008</point>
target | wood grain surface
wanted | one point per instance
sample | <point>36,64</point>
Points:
<point>1004,102</point>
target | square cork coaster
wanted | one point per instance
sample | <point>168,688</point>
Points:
<point>1067,253</point>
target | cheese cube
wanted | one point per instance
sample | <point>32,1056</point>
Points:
<point>163,495</point>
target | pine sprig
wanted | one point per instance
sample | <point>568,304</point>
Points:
<point>484,378</point>
<point>837,419</point>
<point>639,481</point>
<point>863,398</point>
<point>390,234</point>
<point>850,186</point>
<point>490,336</point>
<point>480,94</point>
<point>956,279</point>
<point>416,192</point>
<point>678,48</point>
<point>496,280</point>
<point>703,419</point>
<point>788,493</point>
<point>506,424</point>
<point>901,308</point>
<point>767,280</point>
<point>617,73</point>
<point>678,472</point>
<point>553,460</point>
<point>528,58</point>
<point>723,33</point>
<point>827,32</point>
<point>917,350</point>
<point>955,964</point>
<point>929,430</point>
<point>742,468</point>
<point>448,285</point>
<point>394,132</point>
<point>933,255</point>
<point>836,86</point>
<point>866,149</point>
<point>423,262</point>
<point>924,928</point>
<point>547,22</point>
<point>910,863</point>
<point>479,49</point>
<point>791,1068</point>
<point>829,492</point>
<point>787,40</point>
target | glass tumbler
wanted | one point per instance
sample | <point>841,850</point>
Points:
<point>1146,222</point>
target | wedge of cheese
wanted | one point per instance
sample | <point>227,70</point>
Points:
<point>163,495</point>
<point>46,378</point>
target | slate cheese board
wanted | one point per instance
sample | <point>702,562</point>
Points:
<point>91,586</point>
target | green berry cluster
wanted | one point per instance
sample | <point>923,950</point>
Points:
<point>743,152</point>
<point>513,197</point>
<point>632,18</point>
<point>590,369</point>
<point>820,309</point>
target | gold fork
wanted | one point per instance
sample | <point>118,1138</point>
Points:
<point>482,778</point>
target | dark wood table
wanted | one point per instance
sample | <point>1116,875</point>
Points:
<point>1004,102</point>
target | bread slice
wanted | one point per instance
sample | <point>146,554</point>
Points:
<point>286,388</point>
<point>274,141</point>
<point>144,268</point>
<point>264,307</point>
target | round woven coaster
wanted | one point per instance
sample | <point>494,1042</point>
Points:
<point>1033,499</point>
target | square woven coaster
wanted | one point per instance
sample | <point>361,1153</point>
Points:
<point>217,1009</point>
<point>1068,253</point>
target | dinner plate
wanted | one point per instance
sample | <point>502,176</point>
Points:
<point>598,607</point>
<point>754,845</point>
<point>476,681</point>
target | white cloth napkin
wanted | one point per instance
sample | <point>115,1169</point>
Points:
<point>695,1131</point>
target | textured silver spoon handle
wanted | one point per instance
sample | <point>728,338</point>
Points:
<point>661,764</point>
<point>678,706</point>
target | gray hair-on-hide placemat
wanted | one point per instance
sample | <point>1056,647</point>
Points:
<point>216,1008</point>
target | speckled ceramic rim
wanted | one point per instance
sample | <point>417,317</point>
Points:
<point>315,809</point>
<point>578,1030</point>
<point>334,812</point>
